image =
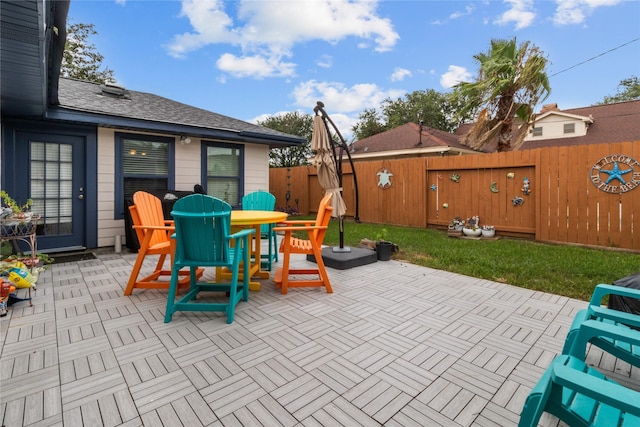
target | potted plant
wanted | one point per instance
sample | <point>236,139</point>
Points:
<point>455,227</point>
<point>488,231</point>
<point>16,220</point>
<point>12,208</point>
<point>472,227</point>
<point>383,246</point>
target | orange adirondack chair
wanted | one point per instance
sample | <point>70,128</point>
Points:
<point>154,234</point>
<point>292,245</point>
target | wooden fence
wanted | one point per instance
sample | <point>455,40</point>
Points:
<point>563,205</point>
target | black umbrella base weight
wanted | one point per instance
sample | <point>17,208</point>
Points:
<point>345,260</point>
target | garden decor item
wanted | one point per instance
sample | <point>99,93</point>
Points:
<point>488,231</point>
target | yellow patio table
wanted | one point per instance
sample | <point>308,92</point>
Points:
<point>253,219</point>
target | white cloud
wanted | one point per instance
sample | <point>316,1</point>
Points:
<point>270,29</point>
<point>455,75</point>
<point>399,74</point>
<point>575,11</point>
<point>325,61</point>
<point>467,11</point>
<point>341,99</point>
<point>521,12</point>
<point>255,66</point>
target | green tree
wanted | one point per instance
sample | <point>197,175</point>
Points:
<point>369,123</point>
<point>511,80</point>
<point>80,59</point>
<point>628,90</point>
<point>293,123</point>
<point>435,109</point>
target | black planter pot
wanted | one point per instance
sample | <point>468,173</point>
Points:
<point>383,250</point>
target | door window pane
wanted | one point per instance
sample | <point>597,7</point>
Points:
<point>51,187</point>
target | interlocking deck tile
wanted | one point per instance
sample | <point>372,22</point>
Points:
<point>395,344</point>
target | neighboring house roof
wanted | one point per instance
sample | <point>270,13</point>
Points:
<point>619,122</point>
<point>409,139</point>
<point>92,103</point>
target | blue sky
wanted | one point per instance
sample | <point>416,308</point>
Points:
<point>252,59</point>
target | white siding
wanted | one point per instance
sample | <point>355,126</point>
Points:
<point>256,171</point>
<point>553,127</point>
<point>187,174</point>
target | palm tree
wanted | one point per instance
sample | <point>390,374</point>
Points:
<point>511,81</point>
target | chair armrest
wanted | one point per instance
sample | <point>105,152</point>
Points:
<point>567,375</point>
<point>241,233</point>
<point>601,290</point>
<point>595,329</point>
<point>169,222</point>
<point>297,222</point>
<point>614,315</point>
<point>154,227</point>
<point>309,227</point>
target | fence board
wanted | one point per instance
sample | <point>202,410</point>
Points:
<point>563,206</point>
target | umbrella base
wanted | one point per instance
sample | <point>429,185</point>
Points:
<point>339,249</point>
<point>345,260</point>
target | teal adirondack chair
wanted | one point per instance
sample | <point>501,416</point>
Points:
<point>580,396</point>
<point>618,344</point>
<point>264,201</point>
<point>203,227</point>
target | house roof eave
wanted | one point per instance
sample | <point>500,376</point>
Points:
<point>62,114</point>
<point>414,152</point>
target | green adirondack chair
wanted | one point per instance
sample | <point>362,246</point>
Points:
<point>203,239</point>
<point>264,201</point>
<point>580,396</point>
<point>617,342</point>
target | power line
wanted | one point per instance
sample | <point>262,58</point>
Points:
<point>597,56</point>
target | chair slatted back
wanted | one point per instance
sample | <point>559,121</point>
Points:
<point>203,225</point>
<point>147,211</point>
<point>261,201</point>
<point>323,218</point>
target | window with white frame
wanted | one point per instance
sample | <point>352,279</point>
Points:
<point>569,128</point>
<point>537,131</point>
<point>224,171</point>
<point>143,162</point>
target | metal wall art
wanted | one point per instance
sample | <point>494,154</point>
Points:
<point>526,186</point>
<point>620,173</point>
<point>455,177</point>
<point>384,178</point>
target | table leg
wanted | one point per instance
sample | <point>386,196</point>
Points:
<point>254,268</point>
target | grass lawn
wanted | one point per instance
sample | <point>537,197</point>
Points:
<point>559,269</point>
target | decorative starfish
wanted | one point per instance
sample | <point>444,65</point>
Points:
<point>615,173</point>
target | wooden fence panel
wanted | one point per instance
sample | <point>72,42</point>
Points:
<point>563,205</point>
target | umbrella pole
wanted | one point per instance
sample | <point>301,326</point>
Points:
<point>343,147</point>
<point>341,248</point>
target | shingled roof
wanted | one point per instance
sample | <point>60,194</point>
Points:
<point>410,137</point>
<point>92,103</point>
<point>619,122</point>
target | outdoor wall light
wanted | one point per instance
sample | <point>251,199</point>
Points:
<point>185,140</point>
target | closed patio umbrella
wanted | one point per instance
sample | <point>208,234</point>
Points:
<point>329,167</point>
<point>326,167</point>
